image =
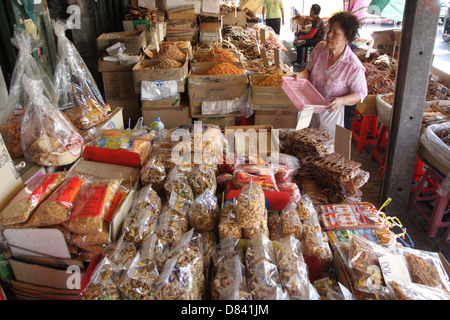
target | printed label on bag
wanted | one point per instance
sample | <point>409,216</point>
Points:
<point>90,203</point>
<point>73,143</point>
<point>67,193</point>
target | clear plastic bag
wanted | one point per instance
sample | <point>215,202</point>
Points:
<point>102,285</point>
<point>48,137</point>
<point>203,178</point>
<point>293,269</point>
<point>229,281</point>
<point>228,226</point>
<point>250,206</point>
<point>78,95</point>
<point>262,175</point>
<point>425,267</point>
<point>400,290</point>
<point>154,173</point>
<point>182,276</point>
<point>142,275</point>
<point>204,213</point>
<point>290,221</point>
<point>11,114</point>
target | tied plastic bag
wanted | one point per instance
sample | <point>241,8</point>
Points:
<point>204,212</point>
<point>48,137</point>
<point>157,90</point>
<point>78,95</point>
<point>11,114</point>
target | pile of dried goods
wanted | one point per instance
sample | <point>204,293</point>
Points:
<point>225,68</point>
<point>168,64</point>
<point>218,55</point>
<point>168,50</point>
<point>275,80</point>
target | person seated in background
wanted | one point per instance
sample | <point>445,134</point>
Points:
<point>315,35</point>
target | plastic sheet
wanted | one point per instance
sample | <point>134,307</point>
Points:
<point>77,91</point>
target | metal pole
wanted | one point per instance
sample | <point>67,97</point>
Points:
<point>419,29</point>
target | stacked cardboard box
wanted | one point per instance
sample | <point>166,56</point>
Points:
<point>117,77</point>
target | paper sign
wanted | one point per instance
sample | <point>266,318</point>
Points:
<point>156,90</point>
<point>304,118</point>
<point>394,268</point>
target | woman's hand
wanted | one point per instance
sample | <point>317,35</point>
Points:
<point>335,104</point>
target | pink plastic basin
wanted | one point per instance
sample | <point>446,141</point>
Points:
<point>303,94</point>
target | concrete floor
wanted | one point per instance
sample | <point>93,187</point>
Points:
<point>414,223</point>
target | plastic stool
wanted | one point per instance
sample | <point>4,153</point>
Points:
<point>419,171</point>
<point>364,125</point>
<point>380,148</point>
<point>440,203</point>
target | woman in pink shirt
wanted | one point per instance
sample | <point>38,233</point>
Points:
<point>336,72</point>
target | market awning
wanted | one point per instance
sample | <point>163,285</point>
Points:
<point>376,10</point>
<point>389,9</point>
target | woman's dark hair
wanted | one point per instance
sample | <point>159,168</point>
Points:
<point>316,9</point>
<point>349,24</point>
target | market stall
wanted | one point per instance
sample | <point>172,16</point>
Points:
<point>204,208</point>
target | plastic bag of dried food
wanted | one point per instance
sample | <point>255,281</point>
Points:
<point>105,236</point>
<point>290,188</point>
<point>316,245</point>
<point>227,248</point>
<point>120,254</point>
<point>259,248</point>
<point>274,225</point>
<point>305,207</point>
<point>402,290</point>
<point>170,227</point>
<point>57,208</point>
<point>93,203</point>
<point>178,182</point>
<point>261,230</point>
<point>204,212</point>
<point>250,206</point>
<point>140,222</point>
<point>48,137</point>
<point>78,95</point>
<point>290,221</point>
<point>25,203</point>
<point>154,173</point>
<point>364,265</point>
<point>293,269</point>
<point>102,285</point>
<point>229,281</point>
<point>311,225</point>
<point>203,178</point>
<point>425,267</point>
<point>263,281</point>
<point>183,271</point>
<point>209,242</point>
<point>262,175</point>
<point>142,275</point>
<point>228,226</point>
<point>11,114</point>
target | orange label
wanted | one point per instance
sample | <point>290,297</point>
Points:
<point>90,203</point>
<point>115,203</point>
<point>42,188</point>
<point>67,193</point>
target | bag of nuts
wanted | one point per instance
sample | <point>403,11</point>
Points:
<point>204,212</point>
<point>203,178</point>
<point>228,226</point>
<point>290,222</point>
<point>250,206</point>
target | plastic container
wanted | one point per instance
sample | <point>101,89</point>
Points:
<point>384,109</point>
<point>303,94</point>
<point>157,124</point>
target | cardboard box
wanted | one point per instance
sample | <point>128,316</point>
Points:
<point>433,161</point>
<point>172,117</point>
<point>235,18</point>
<point>114,121</point>
<point>134,41</point>
<point>199,76</point>
<point>186,12</point>
<point>269,98</point>
<point>205,37</point>
<point>210,27</point>
<point>162,103</point>
<point>131,108</point>
<point>369,106</point>
<point>142,72</point>
<point>384,40</point>
<point>181,30</point>
<point>278,119</point>
<point>222,122</point>
<point>118,85</point>
<point>107,66</point>
<point>11,181</point>
<point>136,25</point>
<point>200,93</point>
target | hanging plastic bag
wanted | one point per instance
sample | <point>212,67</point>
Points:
<point>11,114</point>
<point>78,95</point>
<point>48,137</point>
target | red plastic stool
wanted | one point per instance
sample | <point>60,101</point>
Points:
<point>364,125</point>
<point>380,148</point>
<point>440,203</point>
<point>419,171</point>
